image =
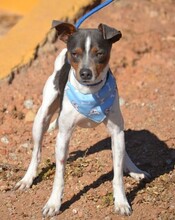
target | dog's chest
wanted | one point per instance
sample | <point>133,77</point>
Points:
<point>70,114</point>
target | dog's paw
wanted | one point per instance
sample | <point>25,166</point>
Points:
<point>23,184</point>
<point>123,208</point>
<point>140,175</point>
<point>51,208</point>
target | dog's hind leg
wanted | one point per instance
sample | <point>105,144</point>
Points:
<point>118,150</point>
<point>50,104</point>
<point>133,170</point>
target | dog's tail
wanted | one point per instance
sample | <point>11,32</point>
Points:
<point>53,126</point>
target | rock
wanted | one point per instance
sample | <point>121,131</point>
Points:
<point>13,156</point>
<point>28,104</point>
<point>4,140</point>
<point>121,101</point>
<point>74,211</point>
<point>25,145</point>
<point>153,14</point>
<point>108,218</point>
<point>30,116</point>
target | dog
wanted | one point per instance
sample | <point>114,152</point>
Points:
<point>84,90</point>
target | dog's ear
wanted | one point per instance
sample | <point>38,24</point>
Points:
<point>63,29</point>
<point>109,33</point>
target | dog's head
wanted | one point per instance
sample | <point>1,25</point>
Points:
<point>88,49</point>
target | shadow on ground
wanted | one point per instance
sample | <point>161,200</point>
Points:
<point>145,149</point>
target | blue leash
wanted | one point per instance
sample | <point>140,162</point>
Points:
<point>102,5</point>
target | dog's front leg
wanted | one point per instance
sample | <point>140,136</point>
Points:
<point>52,207</point>
<point>118,151</point>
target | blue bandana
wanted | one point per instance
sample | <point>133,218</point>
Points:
<point>93,106</point>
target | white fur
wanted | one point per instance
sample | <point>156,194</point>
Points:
<point>87,45</point>
<point>67,121</point>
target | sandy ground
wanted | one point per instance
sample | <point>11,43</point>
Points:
<point>144,66</point>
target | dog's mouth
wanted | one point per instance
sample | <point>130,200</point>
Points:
<point>85,82</point>
<point>90,82</point>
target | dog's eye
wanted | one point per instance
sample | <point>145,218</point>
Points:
<point>74,54</point>
<point>100,54</point>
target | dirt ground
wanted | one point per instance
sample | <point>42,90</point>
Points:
<point>144,65</point>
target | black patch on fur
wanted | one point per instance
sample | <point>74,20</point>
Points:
<point>78,39</point>
<point>61,79</point>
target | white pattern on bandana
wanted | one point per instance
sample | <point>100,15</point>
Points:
<point>93,106</point>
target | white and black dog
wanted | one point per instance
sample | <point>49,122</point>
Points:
<point>84,89</point>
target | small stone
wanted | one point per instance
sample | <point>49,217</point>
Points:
<point>153,14</point>
<point>74,211</point>
<point>30,116</point>
<point>13,156</point>
<point>4,140</point>
<point>156,90</point>
<point>28,104</point>
<point>108,218</point>
<point>25,145</point>
<point>121,101</point>
<point>98,206</point>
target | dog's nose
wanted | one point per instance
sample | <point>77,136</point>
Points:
<point>85,74</point>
